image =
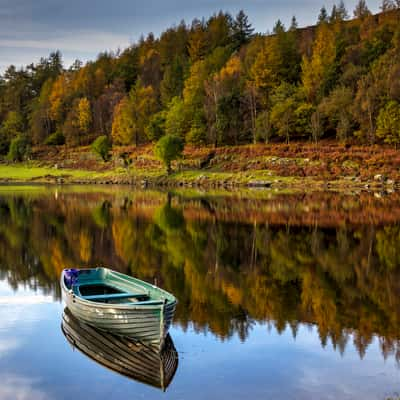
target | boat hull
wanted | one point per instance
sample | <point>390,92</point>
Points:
<point>148,324</point>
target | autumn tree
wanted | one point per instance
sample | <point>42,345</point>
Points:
<point>71,128</point>
<point>388,123</point>
<point>219,30</point>
<point>84,115</point>
<point>317,72</point>
<point>105,105</point>
<point>59,99</point>
<point>223,102</point>
<point>123,123</point>
<point>150,69</point>
<point>132,115</point>
<point>197,41</point>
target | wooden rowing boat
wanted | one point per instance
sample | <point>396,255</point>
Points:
<point>123,355</point>
<point>119,304</point>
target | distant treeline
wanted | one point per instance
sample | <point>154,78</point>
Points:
<point>216,82</point>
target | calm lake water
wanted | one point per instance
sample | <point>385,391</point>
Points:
<point>281,296</point>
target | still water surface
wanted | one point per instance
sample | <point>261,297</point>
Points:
<point>281,296</point>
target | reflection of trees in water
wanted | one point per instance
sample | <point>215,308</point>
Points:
<point>226,275</point>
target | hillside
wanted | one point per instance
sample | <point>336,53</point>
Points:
<point>216,83</point>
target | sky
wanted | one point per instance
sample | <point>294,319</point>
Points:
<point>80,29</point>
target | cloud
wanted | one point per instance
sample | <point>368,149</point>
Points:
<point>24,300</point>
<point>80,42</point>
<point>14,387</point>
<point>8,345</point>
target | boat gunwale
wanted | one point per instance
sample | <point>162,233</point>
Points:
<point>171,301</point>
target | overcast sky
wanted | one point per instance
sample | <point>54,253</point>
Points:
<point>30,29</point>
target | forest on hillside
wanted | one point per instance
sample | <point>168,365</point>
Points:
<point>217,82</point>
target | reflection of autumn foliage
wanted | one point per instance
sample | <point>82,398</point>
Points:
<point>329,260</point>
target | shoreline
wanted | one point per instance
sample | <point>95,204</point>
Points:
<point>207,182</point>
<point>298,165</point>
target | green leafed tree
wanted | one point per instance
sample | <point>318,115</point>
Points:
<point>19,148</point>
<point>102,147</point>
<point>242,29</point>
<point>55,139</point>
<point>156,127</point>
<point>175,122</point>
<point>283,110</point>
<point>168,149</point>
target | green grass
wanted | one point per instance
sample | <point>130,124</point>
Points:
<point>25,172</point>
<point>29,173</point>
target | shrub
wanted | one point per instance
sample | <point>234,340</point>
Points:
<point>169,148</point>
<point>19,149</point>
<point>55,139</point>
<point>102,146</point>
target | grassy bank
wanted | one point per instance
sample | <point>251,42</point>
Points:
<point>324,165</point>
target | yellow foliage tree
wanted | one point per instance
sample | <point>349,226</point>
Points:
<point>132,114</point>
<point>123,123</point>
<point>265,70</point>
<point>84,115</point>
<point>144,102</point>
<point>57,98</point>
<point>315,70</point>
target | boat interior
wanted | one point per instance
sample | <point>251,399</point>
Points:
<point>94,287</point>
<point>103,293</point>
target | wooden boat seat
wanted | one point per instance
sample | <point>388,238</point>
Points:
<point>114,296</point>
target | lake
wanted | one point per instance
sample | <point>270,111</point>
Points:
<point>281,295</point>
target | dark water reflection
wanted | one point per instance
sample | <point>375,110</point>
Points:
<point>326,264</point>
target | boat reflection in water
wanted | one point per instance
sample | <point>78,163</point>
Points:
<point>132,359</point>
